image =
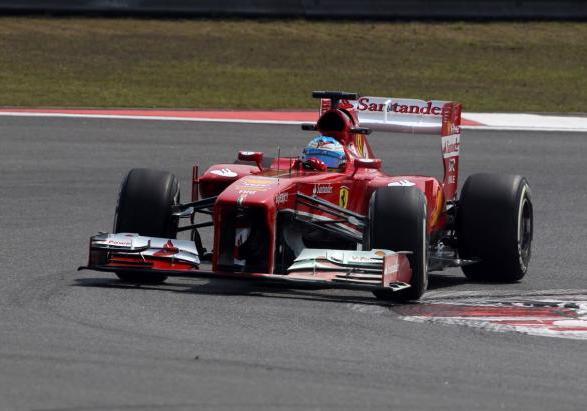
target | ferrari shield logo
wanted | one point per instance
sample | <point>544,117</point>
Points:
<point>343,197</point>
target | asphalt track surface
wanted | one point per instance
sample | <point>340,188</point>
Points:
<point>71,340</point>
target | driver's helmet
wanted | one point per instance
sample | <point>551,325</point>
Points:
<point>326,149</point>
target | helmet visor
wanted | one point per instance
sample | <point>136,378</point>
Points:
<point>332,159</point>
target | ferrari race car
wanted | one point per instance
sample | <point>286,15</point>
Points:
<point>300,221</point>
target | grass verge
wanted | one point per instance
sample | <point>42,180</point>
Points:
<point>85,62</point>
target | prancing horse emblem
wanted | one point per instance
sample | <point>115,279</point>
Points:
<point>343,197</point>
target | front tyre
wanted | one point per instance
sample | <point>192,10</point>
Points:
<point>495,225</point>
<point>397,222</point>
<point>145,207</point>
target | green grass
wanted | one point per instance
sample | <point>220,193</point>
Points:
<point>85,62</point>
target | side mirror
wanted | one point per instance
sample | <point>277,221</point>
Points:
<point>360,130</point>
<point>371,163</point>
<point>308,126</point>
<point>256,156</point>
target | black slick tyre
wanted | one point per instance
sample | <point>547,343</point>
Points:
<point>495,226</point>
<point>145,207</point>
<point>397,222</point>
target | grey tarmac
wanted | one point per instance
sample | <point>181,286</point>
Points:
<point>85,341</point>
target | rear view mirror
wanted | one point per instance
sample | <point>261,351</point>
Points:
<point>372,163</point>
<point>309,127</point>
<point>360,130</point>
<point>256,156</point>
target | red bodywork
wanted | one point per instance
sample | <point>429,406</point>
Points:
<point>252,203</point>
<point>274,188</point>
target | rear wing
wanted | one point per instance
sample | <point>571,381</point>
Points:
<point>403,115</point>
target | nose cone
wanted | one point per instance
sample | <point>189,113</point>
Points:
<point>254,190</point>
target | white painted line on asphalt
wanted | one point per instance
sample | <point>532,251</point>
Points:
<point>537,129</point>
<point>529,123</point>
<point>521,121</point>
<point>151,118</point>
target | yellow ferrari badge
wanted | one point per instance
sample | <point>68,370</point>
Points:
<point>343,197</point>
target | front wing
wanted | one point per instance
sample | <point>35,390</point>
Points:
<point>346,269</point>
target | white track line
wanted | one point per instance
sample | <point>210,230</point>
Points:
<point>529,122</point>
<point>151,118</point>
<point>537,129</point>
<point>495,122</point>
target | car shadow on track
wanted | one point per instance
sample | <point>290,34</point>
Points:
<point>230,287</point>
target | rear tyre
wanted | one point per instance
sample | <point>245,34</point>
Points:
<point>495,225</point>
<point>397,222</point>
<point>145,207</point>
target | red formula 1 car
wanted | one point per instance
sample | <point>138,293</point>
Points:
<point>299,220</point>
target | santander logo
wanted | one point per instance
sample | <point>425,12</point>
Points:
<point>451,145</point>
<point>363,104</point>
